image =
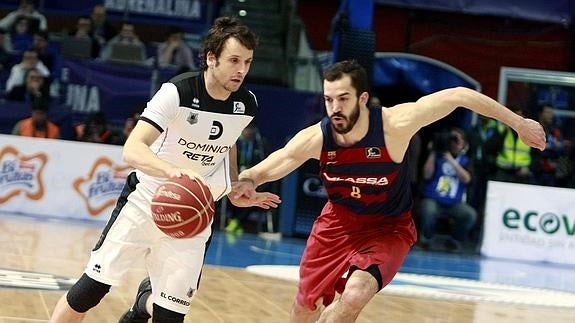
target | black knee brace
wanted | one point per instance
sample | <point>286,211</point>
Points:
<point>162,315</point>
<point>86,293</point>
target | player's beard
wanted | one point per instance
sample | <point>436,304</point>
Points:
<point>228,85</point>
<point>350,122</point>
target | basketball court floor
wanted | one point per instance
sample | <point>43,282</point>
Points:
<point>253,279</point>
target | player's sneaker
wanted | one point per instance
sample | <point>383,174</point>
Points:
<point>133,315</point>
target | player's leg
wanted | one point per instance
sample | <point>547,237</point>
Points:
<point>84,295</point>
<point>359,290</point>
<point>380,248</point>
<point>175,266</point>
<point>122,241</point>
<point>324,261</point>
<point>304,314</point>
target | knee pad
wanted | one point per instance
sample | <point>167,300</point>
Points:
<point>86,293</point>
<point>162,315</point>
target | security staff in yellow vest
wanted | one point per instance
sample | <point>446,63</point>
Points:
<point>513,162</point>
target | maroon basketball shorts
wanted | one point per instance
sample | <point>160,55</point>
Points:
<point>340,240</point>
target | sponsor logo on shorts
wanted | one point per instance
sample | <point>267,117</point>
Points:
<point>102,185</point>
<point>174,299</point>
<point>21,174</point>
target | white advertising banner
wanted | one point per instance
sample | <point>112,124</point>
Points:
<point>529,222</point>
<point>59,178</point>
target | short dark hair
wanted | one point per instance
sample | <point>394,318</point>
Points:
<point>222,29</point>
<point>348,67</point>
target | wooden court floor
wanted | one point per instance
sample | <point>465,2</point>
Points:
<point>227,294</point>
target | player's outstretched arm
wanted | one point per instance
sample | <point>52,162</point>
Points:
<point>305,145</point>
<point>408,118</point>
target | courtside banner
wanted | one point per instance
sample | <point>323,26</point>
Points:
<point>529,222</point>
<point>58,178</point>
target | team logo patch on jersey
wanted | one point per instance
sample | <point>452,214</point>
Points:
<point>372,152</point>
<point>193,118</point>
<point>216,130</point>
<point>239,107</point>
<point>331,155</point>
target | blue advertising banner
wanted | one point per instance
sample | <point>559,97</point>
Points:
<point>192,15</point>
<point>116,89</point>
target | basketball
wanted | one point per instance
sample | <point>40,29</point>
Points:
<point>182,207</point>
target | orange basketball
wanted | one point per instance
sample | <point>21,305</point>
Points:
<point>182,207</point>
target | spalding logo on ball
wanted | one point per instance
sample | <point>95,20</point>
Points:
<point>182,207</point>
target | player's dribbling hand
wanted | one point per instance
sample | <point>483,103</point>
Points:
<point>177,172</point>
<point>531,132</point>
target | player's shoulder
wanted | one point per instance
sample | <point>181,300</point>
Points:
<point>188,85</point>
<point>185,77</point>
<point>245,95</point>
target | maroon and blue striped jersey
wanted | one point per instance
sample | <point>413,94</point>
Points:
<point>363,177</point>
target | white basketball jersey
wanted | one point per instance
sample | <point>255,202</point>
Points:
<point>197,130</point>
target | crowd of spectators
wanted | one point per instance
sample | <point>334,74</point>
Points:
<point>449,176</point>
<point>458,165</point>
<point>31,56</point>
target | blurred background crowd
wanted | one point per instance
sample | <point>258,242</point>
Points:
<point>58,65</point>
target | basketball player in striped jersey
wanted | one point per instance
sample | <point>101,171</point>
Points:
<point>190,127</point>
<point>365,230</point>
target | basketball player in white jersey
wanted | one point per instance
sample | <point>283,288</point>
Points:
<point>189,127</point>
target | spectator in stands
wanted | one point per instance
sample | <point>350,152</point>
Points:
<point>4,51</point>
<point>126,36</point>
<point>26,9</point>
<point>46,54</point>
<point>37,125</point>
<point>95,129</point>
<point>545,162</point>
<point>129,125</point>
<point>251,149</point>
<point>174,52</point>
<point>484,145</point>
<point>447,173</point>
<point>84,30</point>
<point>103,30</point>
<point>18,72</point>
<point>513,162</point>
<point>21,36</point>
<point>35,87</point>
